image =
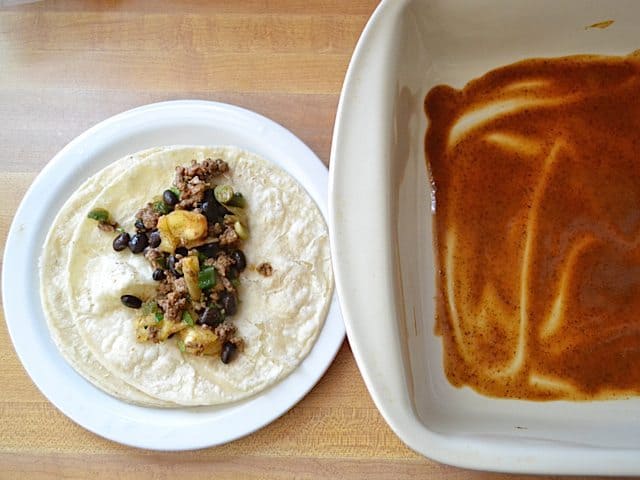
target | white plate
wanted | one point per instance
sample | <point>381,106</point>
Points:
<point>168,123</point>
<point>380,225</point>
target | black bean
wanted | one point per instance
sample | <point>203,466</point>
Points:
<point>182,251</point>
<point>209,250</point>
<point>158,274</point>
<point>232,273</point>
<point>211,208</point>
<point>239,260</point>
<point>131,301</point>
<point>209,211</point>
<point>209,196</point>
<point>139,224</point>
<point>171,263</point>
<point>170,198</point>
<point>210,316</point>
<point>138,242</point>
<point>154,239</point>
<point>228,349</point>
<point>229,303</point>
<point>121,241</point>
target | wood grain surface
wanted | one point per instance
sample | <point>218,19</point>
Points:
<point>66,65</point>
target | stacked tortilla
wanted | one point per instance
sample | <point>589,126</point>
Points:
<point>279,318</point>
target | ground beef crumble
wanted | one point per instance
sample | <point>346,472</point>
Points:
<point>155,257</point>
<point>229,236</point>
<point>192,194</point>
<point>148,216</point>
<point>265,269</point>
<point>107,227</point>
<point>215,229</point>
<point>173,297</point>
<point>226,332</point>
<point>222,262</point>
<point>192,180</point>
<point>226,283</point>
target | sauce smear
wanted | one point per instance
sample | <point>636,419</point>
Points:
<point>536,172</point>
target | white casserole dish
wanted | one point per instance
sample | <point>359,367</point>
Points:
<point>380,222</point>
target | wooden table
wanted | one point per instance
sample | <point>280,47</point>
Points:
<point>65,66</point>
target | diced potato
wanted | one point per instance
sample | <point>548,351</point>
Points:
<point>181,228</point>
<point>188,227</point>
<point>168,242</point>
<point>148,329</point>
<point>200,341</point>
<point>191,269</point>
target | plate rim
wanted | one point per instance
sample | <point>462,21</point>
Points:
<point>287,392</point>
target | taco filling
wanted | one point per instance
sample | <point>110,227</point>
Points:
<point>191,235</point>
<point>202,276</point>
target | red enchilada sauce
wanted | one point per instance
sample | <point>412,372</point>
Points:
<point>536,172</point>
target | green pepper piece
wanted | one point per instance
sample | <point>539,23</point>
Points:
<point>223,193</point>
<point>207,278</point>
<point>99,214</point>
<point>181,346</point>
<point>161,207</point>
<point>175,190</point>
<point>241,230</point>
<point>237,200</point>
<point>187,318</point>
<point>149,307</point>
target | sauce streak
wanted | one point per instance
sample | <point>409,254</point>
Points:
<point>536,172</point>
